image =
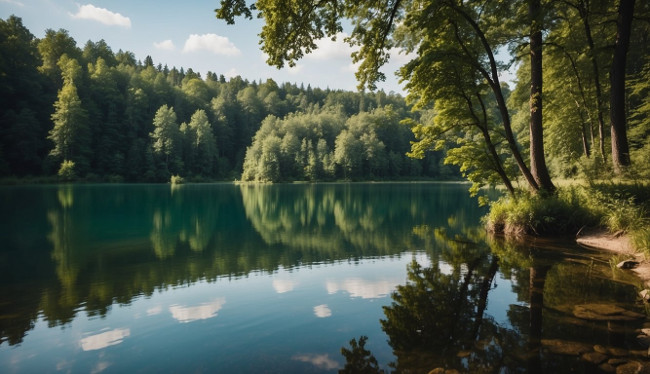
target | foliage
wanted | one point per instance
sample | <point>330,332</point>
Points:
<point>618,207</point>
<point>562,213</point>
<point>623,207</point>
<point>67,171</point>
<point>175,179</point>
<point>325,144</point>
<point>358,359</point>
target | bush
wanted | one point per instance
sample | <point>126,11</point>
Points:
<point>66,171</point>
<point>177,179</point>
<point>557,214</point>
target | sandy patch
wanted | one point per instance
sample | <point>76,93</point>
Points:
<point>616,243</point>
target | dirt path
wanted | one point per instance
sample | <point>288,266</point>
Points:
<point>619,244</point>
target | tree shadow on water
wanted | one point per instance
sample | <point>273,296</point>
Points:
<point>437,321</point>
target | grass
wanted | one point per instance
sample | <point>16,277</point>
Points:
<point>559,214</point>
<point>622,208</point>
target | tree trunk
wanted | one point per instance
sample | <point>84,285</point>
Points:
<point>488,140</point>
<point>536,295</point>
<point>585,143</point>
<point>493,80</point>
<point>584,15</point>
<point>537,159</point>
<point>618,121</point>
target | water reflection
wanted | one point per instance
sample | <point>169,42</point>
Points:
<point>104,339</point>
<point>322,311</point>
<point>284,285</point>
<point>440,320</point>
<point>362,288</point>
<point>321,361</point>
<point>296,262</point>
<point>73,248</point>
<point>184,314</point>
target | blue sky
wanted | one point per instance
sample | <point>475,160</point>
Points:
<point>186,33</point>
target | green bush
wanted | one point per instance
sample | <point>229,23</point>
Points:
<point>66,171</point>
<point>557,214</point>
<point>177,179</point>
<point>617,207</point>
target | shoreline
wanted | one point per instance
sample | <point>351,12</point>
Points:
<point>617,244</point>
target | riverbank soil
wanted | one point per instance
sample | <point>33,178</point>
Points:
<point>617,243</point>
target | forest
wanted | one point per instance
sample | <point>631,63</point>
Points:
<point>88,113</point>
<point>91,114</point>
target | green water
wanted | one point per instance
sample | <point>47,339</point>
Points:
<point>249,279</point>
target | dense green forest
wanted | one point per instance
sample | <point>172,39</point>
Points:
<point>97,115</point>
<point>92,114</point>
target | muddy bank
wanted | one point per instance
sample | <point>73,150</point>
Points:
<point>619,244</point>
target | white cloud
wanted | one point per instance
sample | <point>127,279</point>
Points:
<point>101,366</point>
<point>102,15</point>
<point>292,70</point>
<point>104,339</point>
<point>332,50</point>
<point>320,361</point>
<point>322,311</point>
<point>154,310</point>
<point>231,73</point>
<point>165,45</point>
<point>186,314</point>
<point>295,69</point>
<point>217,44</point>
<point>362,288</point>
<point>283,285</point>
<point>13,2</point>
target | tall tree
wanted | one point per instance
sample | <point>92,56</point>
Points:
<point>23,123</point>
<point>537,158</point>
<point>54,45</point>
<point>71,133</point>
<point>204,144</point>
<point>166,141</point>
<point>617,115</point>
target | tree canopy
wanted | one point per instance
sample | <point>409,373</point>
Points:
<point>455,72</point>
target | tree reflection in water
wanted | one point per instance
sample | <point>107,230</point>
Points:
<point>438,320</point>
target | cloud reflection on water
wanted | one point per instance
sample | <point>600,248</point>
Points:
<point>362,288</point>
<point>322,311</point>
<point>284,285</point>
<point>104,339</point>
<point>322,361</point>
<point>186,314</point>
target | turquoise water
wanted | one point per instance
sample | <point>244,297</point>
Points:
<point>227,278</point>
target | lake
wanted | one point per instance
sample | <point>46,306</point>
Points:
<point>281,278</point>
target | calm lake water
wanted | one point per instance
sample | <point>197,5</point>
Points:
<point>278,279</point>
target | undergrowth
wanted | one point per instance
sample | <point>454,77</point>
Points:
<point>558,214</point>
<point>622,208</point>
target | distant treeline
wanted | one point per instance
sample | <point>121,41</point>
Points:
<point>94,114</point>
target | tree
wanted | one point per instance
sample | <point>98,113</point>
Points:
<point>54,45</point>
<point>166,141</point>
<point>23,123</point>
<point>204,144</point>
<point>348,153</point>
<point>71,132</point>
<point>617,115</point>
<point>537,158</point>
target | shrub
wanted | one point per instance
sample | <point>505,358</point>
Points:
<point>66,171</point>
<point>557,214</point>
<point>177,179</point>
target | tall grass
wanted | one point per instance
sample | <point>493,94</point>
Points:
<point>618,207</point>
<point>559,214</point>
